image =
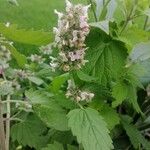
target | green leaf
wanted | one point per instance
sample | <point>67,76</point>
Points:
<point>135,136</point>
<point>90,129</point>
<point>36,80</point>
<point>140,52</point>
<point>145,79</point>
<point>20,58</point>
<point>37,97</point>
<point>37,38</point>
<point>58,82</point>
<point>61,99</point>
<point>108,113</point>
<point>29,132</point>
<point>134,35</point>
<point>53,115</point>
<point>120,93</point>
<point>85,77</point>
<point>55,146</point>
<point>70,147</point>
<point>125,91</point>
<point>106,56</point>
<point>103,25</point>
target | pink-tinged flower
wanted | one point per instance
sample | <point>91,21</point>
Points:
<point>70,36</point>
<point>83,22</point>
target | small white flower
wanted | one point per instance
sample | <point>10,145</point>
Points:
<point>68,6</point>
<point>60,15</point>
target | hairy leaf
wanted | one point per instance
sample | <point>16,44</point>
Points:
<point>29,132</point>
<point>53,115</point>
<point>106,56</point>
<point>89,126</point>
<point>25,36</point>
<point>140,52</point>
<point>55,146</point>
<point>108,113</point>
<point>58,81</point>
<point>135,136</point>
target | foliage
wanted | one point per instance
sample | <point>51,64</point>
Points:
<point>84,90</point>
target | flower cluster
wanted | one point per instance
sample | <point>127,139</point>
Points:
<point>37,59</point>
<point>76,94</point>
<point>70,36</point>
<point>5,57</point>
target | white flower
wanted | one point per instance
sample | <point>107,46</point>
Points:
<point>63,57</point>
<point>60,15</point>
<point>68,6</point>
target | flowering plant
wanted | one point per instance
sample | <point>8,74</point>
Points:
<point>84,90</point>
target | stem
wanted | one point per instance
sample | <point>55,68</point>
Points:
<point>129,17</point>
<point>145,23</point>
<point>15,101</point>
<point>8,123</point>
<point>94,13</point>
<point>2,131</point>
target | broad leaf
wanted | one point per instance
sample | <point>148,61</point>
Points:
<point>29,132</point>
<point>37,97</point>
<point>135,136</point>
<point>25,36</point>
<point>126,89</point>
<point>140,52</point>
<point>36,80</point>
<point>20,58</point>
<point>108,113</point>
<point>53,115</point>
<point>55,146</point>
<point>103,25</point>
<point>89,126</point>
<point>106,56</point>
<point>85,77</point>
<point>59,81</point>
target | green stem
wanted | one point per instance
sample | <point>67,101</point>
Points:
<point>93,10</point>
<point>14,101</point>
<point>8,123</point>
<point>129,17</point>
<point>2,131</point>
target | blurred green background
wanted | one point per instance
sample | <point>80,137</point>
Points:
<point>37,14</point>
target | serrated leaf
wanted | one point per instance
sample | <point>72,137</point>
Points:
<point>61,99</point>
<point>106,57</point>
<point>55,146</point>
<point>140,52</point>
<point>134,36</point>
<point>109,114</point>
<point>58,82</point>
<point>32,37</point>
<point>124,91</point>
<point>53,115</point>
<point>135,136</point>
<point>29,132</point>
<point>89,126</point>
<point>119,92</point>
<point>84,77</point>
<point>37,97</point>
<point>36,80</point>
